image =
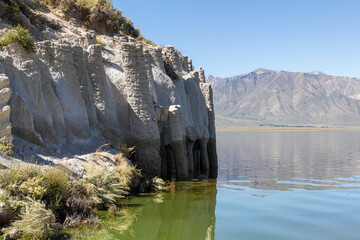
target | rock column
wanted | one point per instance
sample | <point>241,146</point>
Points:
<point>211,145</point>
<point>202,75</point>
<point>143,122</point>
<point>177,135</point>
<point>5,125</point>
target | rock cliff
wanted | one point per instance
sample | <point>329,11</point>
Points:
<point>77,92</point>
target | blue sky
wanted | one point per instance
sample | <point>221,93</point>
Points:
<point>231,37</point>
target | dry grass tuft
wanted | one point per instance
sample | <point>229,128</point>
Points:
<point>170,185</point>
<point>153,185</point>
<point>98,155</point>
<point>125,171</point>
<point>36,222</point>
<point>106,186</point>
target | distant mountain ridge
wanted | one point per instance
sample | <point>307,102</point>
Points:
<point>287,98</point>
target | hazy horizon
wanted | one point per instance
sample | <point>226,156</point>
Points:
<point>282,70</point>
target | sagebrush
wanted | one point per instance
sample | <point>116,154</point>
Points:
<point>21,36</point>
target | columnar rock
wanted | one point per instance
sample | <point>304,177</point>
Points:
<point>142,116</point>
<point>208,95</point>
<point>177,136</point>
<point>5,125</point>
<point>74,94</point>
<point>190,66</point>
<point>202,75</point>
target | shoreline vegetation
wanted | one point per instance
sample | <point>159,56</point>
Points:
<point>46,202</point>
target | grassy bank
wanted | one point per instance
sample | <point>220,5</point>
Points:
<point>45,202</point>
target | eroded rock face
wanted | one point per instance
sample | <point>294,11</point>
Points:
<point>74,95</point>
<point>5,125</point>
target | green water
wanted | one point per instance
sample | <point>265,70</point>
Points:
<point>187,213</point>
<point>271,185</point>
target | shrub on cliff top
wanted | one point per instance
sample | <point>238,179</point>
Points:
<point>21,36</point>
<point>93,4</point>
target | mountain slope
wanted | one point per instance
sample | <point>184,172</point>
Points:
<point>279,97</point>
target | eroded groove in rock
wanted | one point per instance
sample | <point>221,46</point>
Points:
<point>5,125</point>
<point>76,92</point>
<point>211,145</point>
<point>142,115</point>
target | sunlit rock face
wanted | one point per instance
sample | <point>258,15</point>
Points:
<point>74,94</point>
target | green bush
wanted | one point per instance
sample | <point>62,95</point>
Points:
<point>21,36</point>
<point>103,9</point>
<point>36,194</point>
<point>12,178</point>
<point>93,4</point>
<point>56,182</point>
<point>48,185</point>
<point>32,187</point>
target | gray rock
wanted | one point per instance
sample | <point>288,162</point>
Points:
<point>5,216</point>
<point>202,177</point>
<point>74,95</point>
<point>13,235</point>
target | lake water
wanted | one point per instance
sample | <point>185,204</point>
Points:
<point>271,185</point>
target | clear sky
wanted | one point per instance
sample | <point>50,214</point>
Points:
<point>231,37</point>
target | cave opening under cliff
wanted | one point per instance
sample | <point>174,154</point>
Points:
<point>170,162</point>
<point>197,158</point>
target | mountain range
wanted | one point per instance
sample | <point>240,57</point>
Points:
<point>280,98</point>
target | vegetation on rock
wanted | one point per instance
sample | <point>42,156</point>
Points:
<point>36,222</point>
<point>126,151</point>
<point>105,187</point>
<point>99,15</point>
<point>21,36</point>
<point>6,148</point>
<point>45,200</point>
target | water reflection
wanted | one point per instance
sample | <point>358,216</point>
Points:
<point>253,163</point>
<point>289,160</point>
<point>187,213</point>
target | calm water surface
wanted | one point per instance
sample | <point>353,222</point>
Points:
<point>271,185</point>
